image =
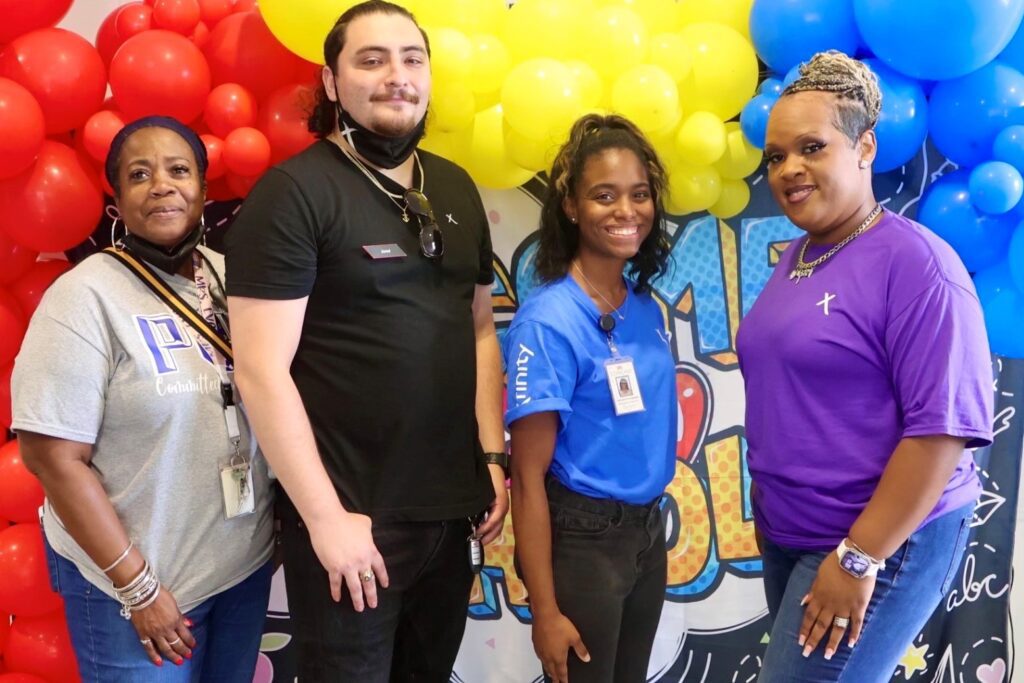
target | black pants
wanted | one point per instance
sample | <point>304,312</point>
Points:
<point>610,565</point>
<point>412,635</point>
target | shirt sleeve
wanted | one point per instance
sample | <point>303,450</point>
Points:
<point>271,247</point>
<point>941,367</point>
<point>486,275</point>
<point>59,383</point>
<point>541,371</point>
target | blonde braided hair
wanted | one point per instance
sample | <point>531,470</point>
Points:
<point>853,83</point>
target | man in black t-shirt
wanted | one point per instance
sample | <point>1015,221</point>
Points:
<point>359,276</point>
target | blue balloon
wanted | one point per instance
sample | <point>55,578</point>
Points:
<point>754,118</point>
<point>937,39</point>
<point>965,114</point>
<point>1009,146</point>
<point>787,32</point>
<point>1004,320</point>
<point>1015,259</point>
<point>1013,53</point>
<point>980,239</point>
<point>771,87</point>
<point>995,187</point>
<point>993,280</point>
<point>791,75</point>
<point>903,124</point>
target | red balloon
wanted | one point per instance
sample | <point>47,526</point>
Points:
<point>219,191</point>
<point>107,38</point>
<point>283,119</point>
<point>52,206</point>
<point>21,494</point>
<point>200,36</point>
<point>212,11</point>
<point>30,288</point>
<point>99,132</point>
<point>307,73</point>
<point>22,128</point>
<point>5,629</point>
<point>12,328</point>
<point>239,185</point>
<point>62,71</point>
<point>41,646</point>
<point>14,677</point>
<point>242,50</point>
<point>229,106</point>
<point>180,16</point>
<point>15,260</point>
<point>24,577</point>
<point>160,72</point>
<point>246,152</point>
<point>133,19</point>
<point>244,5</point>
<point>214,156</point>
<point>22,16</point>
<point>5,420</point>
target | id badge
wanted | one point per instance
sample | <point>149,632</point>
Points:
<point>236,485</point>
<point>624,386</point>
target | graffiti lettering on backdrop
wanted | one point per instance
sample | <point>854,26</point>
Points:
<point>714,625</point>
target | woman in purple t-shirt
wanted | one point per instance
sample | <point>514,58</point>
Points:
<point>867,374</point>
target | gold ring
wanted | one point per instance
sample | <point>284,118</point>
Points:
<point>366,576</point>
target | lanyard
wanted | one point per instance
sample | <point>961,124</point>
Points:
<point>227,391</point>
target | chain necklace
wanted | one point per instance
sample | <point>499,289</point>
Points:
<point>397,200</point>
<point>606,322</point>
<point>804,269</point>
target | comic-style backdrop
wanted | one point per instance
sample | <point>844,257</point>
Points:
<point>715,624</point>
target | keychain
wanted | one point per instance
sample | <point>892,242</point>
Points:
<point>475,548</point>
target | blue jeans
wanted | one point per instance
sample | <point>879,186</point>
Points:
<point>227,628</point>
<point>906,593</point>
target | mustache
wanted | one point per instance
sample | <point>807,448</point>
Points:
<point>410,97</point>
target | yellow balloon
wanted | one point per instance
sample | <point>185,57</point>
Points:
<point>487,161</point>
<point>540,98</point>
<point>530,154</point>
<point>301,26</point>
<point>451,56</point>
<point>648,97</point>
<point>724,73</point>
<point>732,13</point>
<point>468,16</point>
<point>740,158</point>
<point>546,28</point>
<point>591,87</point>
<point>671,53</point>
<point>617,41</point>
<point>734,198</point>
<point>692,188</point>
<point>452,107</point>
<point>452,146</point>
<point>657,15</point>
<point>701,138</point>
<point>490,63</point>
<point>665,146</point>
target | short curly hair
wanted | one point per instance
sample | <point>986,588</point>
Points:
<point>560,237</point>
<point>854,84</point>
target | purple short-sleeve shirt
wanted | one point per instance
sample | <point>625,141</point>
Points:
<point>886,340</point>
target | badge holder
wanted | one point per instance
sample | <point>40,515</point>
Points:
<point>236,485</point>
<point>622,382</point>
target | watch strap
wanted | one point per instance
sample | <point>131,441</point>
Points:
<point>500,459</point>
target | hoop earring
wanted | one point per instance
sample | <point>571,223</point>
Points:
<point>202,227</point>
<point>114,241</point>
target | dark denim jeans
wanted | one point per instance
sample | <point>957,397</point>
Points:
<point>907,591</point>
<point>610,565</point>
<point>414,633</point>
<point>227,628</point>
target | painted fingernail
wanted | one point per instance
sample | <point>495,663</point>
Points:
<point>807,651</point>
<point>179,662</point>
<point>852,643</point>
<point>159,662</point>
<point>829,653</point>
<point>188,655</point>
<point>801,640</point>
<point>188,622</point>
<point>803,601</point>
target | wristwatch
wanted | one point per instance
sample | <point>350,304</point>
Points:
<point>500,459</point>
<point>856,562</point>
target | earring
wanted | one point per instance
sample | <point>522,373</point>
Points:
<point>863,163</point>
<point>572,219</point>
<point>202,227</point>
<point>114,241</point>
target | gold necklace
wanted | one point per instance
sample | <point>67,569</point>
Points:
<point>803,269</point>
<point>397,200</point>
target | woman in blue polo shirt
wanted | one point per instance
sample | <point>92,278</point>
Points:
<point>592,410</point>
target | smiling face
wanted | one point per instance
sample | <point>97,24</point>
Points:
<point>161,192</point>
<point>612,205</point>
<point>383,74</point>
<point>820,178</point>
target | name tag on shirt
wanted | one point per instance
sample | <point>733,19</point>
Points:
<point>624,386</point>
<point>383,251</point>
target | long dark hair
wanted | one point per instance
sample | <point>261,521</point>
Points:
<point>324,116</point>
<point>560,237</point>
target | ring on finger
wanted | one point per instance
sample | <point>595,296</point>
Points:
<point>175,641</point>
<point>841,622</point>
<point>145,641</point>
<point>366,576</point>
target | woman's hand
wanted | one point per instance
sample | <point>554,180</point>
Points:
<point>833,594</point>
<point>164,631</point>
<point>552,638</point>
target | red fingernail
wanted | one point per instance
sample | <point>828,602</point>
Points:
<point>188,622</point>
<point>159,662</point>
<point>179,662</point>
<point>188,655</point>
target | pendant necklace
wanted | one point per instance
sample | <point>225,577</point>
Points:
<point>803,269</point>
<point>606,322</point>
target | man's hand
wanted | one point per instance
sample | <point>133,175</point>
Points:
<point>346,550</point>
<point>492,526</point>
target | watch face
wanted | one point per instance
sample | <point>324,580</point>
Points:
<point>854,563</point>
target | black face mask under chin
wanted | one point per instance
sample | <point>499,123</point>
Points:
<point>380,150</point>
<point>167,259</point>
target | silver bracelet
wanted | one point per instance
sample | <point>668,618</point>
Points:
<point>140,592</point>
<point>120,558</point>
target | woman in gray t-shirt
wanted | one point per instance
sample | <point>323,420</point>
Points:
<point>125,409</point>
